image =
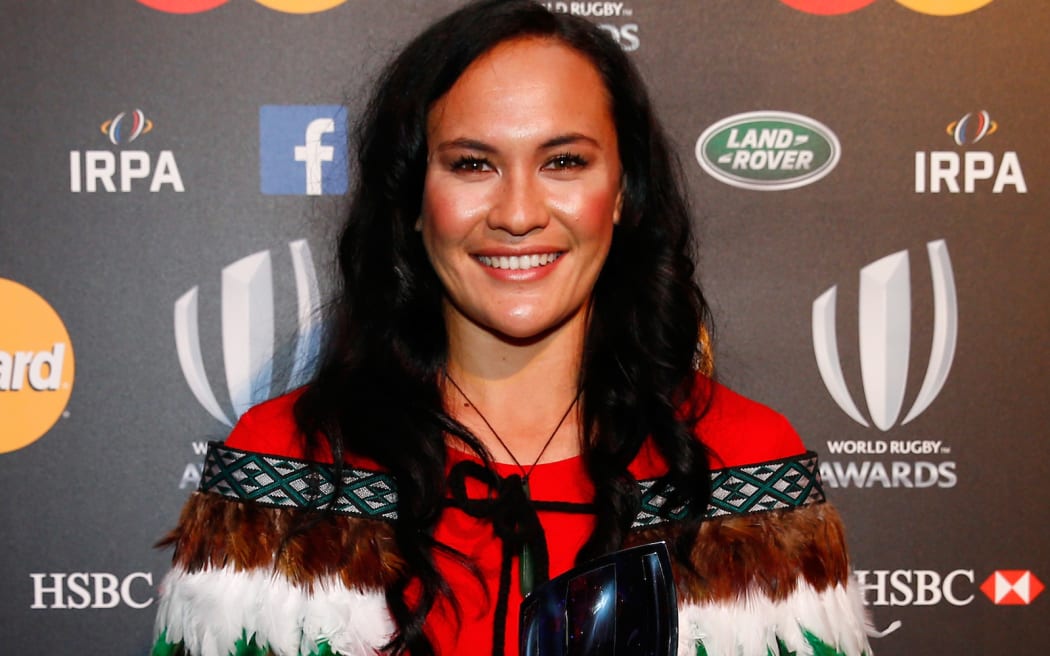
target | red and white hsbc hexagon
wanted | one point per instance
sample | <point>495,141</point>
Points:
<point>1012,587</point>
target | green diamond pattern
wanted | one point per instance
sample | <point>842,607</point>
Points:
<point>787,483</point>
<point>291,483</point>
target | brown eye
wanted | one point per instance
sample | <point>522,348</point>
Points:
<point>469,164</point>
<point>566,161</point>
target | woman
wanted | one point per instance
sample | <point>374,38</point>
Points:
<point>511,388</point>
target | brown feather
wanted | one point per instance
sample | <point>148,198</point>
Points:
<point>764,552</point>
<point>215,532</point>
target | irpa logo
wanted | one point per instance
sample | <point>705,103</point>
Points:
<point>939,171</point>
<point>248,332</point>
<point>885,337</point>
<point>92,171</point>
<point>1012,587</point>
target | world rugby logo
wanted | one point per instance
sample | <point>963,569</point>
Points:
<point>248,332</point>
<point>885,338</point>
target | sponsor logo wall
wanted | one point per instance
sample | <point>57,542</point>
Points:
<point>872,214</point>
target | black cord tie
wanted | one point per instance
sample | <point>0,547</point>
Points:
<point>517,525</point>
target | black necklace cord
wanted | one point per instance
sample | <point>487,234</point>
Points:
<point>525,473</point>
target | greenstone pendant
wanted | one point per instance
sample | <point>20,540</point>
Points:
<point>527,571</point>
<point>526,562</point>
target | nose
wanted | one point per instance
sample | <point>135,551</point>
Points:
<point>519,207</point>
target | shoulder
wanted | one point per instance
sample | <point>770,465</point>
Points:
<point>739,431</point>
<point>735,430</point>
<point>270,428</point>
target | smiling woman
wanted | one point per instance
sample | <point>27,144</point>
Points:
<point>522,166</point>
<point>517,383</point>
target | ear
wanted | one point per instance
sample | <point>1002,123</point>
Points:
<point>419,224</point>
<point>619,205</point>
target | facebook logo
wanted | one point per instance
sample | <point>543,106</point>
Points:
<point>302,149</point>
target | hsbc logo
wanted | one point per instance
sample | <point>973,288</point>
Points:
<point>924,587</point>
<point>919,587</point>
<point>248,332</point>
<point>1012,587</point>
<point>81,590</point>
<point>885,338</point>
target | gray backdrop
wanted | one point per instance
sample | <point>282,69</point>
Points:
<point>944,539</point>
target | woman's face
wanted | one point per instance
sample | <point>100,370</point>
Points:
<point>522,189</point>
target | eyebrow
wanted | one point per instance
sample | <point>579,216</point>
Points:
<point>566,139</point>
<point>553,142</point>
<point>468,144</point>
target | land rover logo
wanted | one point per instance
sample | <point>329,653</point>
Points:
<point>768,150</point>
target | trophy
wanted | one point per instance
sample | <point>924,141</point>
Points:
<point>623,604</point>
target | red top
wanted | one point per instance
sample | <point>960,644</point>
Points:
<point>736,431</point>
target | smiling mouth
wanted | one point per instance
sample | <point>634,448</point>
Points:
<point>518,262</point>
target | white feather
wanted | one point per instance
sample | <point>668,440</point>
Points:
<point>210,610</point>
<point>751,626</point>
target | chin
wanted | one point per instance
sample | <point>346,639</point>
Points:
<point>520,332</point>
<point>528,329</point>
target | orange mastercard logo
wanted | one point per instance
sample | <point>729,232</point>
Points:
<point>301,6</point>
<point>932,7</point>
<point>36,366</point>
<point>198,6</point>
<point>944,7</point>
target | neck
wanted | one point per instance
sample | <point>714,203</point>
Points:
<point>522,387</point>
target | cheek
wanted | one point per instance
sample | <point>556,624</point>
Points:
<point>449,212</point>
<point>591,210</point>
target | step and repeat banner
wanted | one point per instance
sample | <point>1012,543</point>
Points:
<point>870,187</point>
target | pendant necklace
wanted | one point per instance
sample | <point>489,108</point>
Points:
<point>527,574</point>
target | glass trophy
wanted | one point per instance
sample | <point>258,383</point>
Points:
<point>623,604</point>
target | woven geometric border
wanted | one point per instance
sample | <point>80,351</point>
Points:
<point>787,483</point>
<point>292,483</point>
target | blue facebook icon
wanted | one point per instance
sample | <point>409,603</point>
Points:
<point>302,149</point>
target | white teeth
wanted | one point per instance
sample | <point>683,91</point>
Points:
<point>518,262</point>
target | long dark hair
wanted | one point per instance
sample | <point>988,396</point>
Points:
<point>377,394</point>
